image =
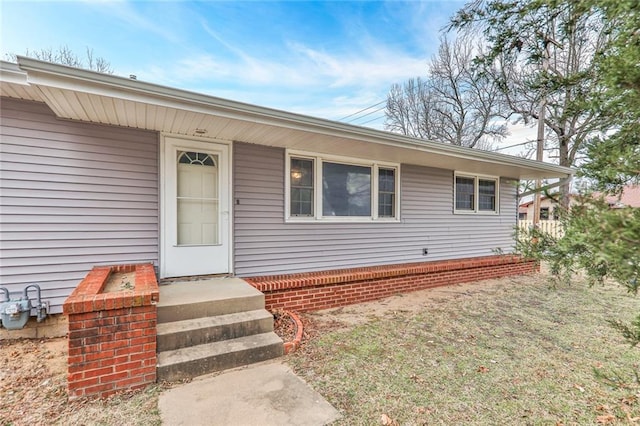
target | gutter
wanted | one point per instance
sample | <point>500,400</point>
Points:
<point>48,74</point>
<point>11,73</point>
<point>546,187</point>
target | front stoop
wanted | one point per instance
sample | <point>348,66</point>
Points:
<point>212,325</point>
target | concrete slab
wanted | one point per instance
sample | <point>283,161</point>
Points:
<point>261,394</point>
<point>199,360</point>
<point>180,293</point>
<point>204,298</point>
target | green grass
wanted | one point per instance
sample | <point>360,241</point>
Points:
<point>516,352</point>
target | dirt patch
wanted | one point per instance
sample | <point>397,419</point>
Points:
<point>405,303</point>
<point>33,385</point>
<point>120,281</point>
<point>33,390</point>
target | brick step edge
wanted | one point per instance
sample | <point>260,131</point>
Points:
<point>292,346</point>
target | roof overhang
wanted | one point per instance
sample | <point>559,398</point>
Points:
<point>84,95</point>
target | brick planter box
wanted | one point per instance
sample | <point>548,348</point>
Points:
<point>328,289</point>
<point>112,335</point>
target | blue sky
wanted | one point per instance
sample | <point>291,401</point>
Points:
<point>325,59</point>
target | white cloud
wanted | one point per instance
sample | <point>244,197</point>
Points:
<point>125,12</point>
<point>307,76</point>
<point>373,67</point>
<point>300,67</point>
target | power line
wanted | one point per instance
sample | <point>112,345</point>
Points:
<point>364,115</point>
<point>362,110</point>
<point>511,146</point>
<point>369,121</point>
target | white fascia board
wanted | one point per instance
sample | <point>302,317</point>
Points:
<point>11,73</point>
<point>63,77</point>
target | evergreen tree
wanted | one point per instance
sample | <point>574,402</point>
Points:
<point>603,242</point>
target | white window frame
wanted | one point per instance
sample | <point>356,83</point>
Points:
<point>318,160</point>
<point>476,193</point>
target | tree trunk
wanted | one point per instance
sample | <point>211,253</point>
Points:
<point>565,188</point>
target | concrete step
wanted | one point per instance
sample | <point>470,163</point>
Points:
<point>197,331</point>
<point>207,298</point>
<point>185,363</point>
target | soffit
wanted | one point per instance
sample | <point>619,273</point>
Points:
<point>122,102</point>
<point>13,83</point>
<point>129,113</point>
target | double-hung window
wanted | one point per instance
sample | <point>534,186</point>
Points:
<point>386,192</point>
<point>329,188</point>
<point>301,187</point>
<point>475,194</point>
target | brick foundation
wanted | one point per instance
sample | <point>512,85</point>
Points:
<point>112,336</point>
<point>328,289</point>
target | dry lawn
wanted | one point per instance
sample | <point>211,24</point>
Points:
<point>33,391</point>
<point>511,351</point>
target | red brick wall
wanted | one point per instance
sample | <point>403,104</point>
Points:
<point>112,336</point>
<point>314,291</point>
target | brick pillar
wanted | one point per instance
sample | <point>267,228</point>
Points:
<point>112,336</point>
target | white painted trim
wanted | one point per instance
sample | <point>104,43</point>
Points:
<point>287,186</point>
<point>11,73</point>
<point>163,217</point>
<point>397,217</point>
<point>40,73</point>
<point>206,145</point>
<point>476,192</point>
<point>318,159</point>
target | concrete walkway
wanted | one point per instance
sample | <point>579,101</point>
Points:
<point>261,394</point>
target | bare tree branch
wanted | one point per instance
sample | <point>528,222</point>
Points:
<point>454,104</point>
<point>65,56</point>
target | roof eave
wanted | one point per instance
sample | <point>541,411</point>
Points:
<point>48,74</point>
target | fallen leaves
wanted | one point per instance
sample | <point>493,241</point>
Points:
<point>33,374</point>
<point>388,421</point>
<point>284,326</point>
<point>605,419</point>
<point>464,374</point>
<point>423,410</point>
<point>626,404</point>
<point>417,379</point>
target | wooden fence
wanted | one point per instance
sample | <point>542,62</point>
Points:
<point>552,227</point>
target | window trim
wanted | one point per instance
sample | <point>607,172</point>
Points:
<point>376,205</point>
<point>313,186</point>
<point>318,160</point>
<point>476,194</point>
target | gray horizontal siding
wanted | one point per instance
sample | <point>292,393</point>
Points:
<point>265,244</point>
<point>72,196</point>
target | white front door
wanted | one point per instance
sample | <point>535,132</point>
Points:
<point>195,188</point>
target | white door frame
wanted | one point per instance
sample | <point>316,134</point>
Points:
<point>193,143</point>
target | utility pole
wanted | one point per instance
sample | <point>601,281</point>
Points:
<point>540,142</point>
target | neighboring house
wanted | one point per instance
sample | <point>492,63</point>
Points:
<point>629,197</point>
<point>522,213</point>
<point>548,209</point>
<point>98,169</point>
